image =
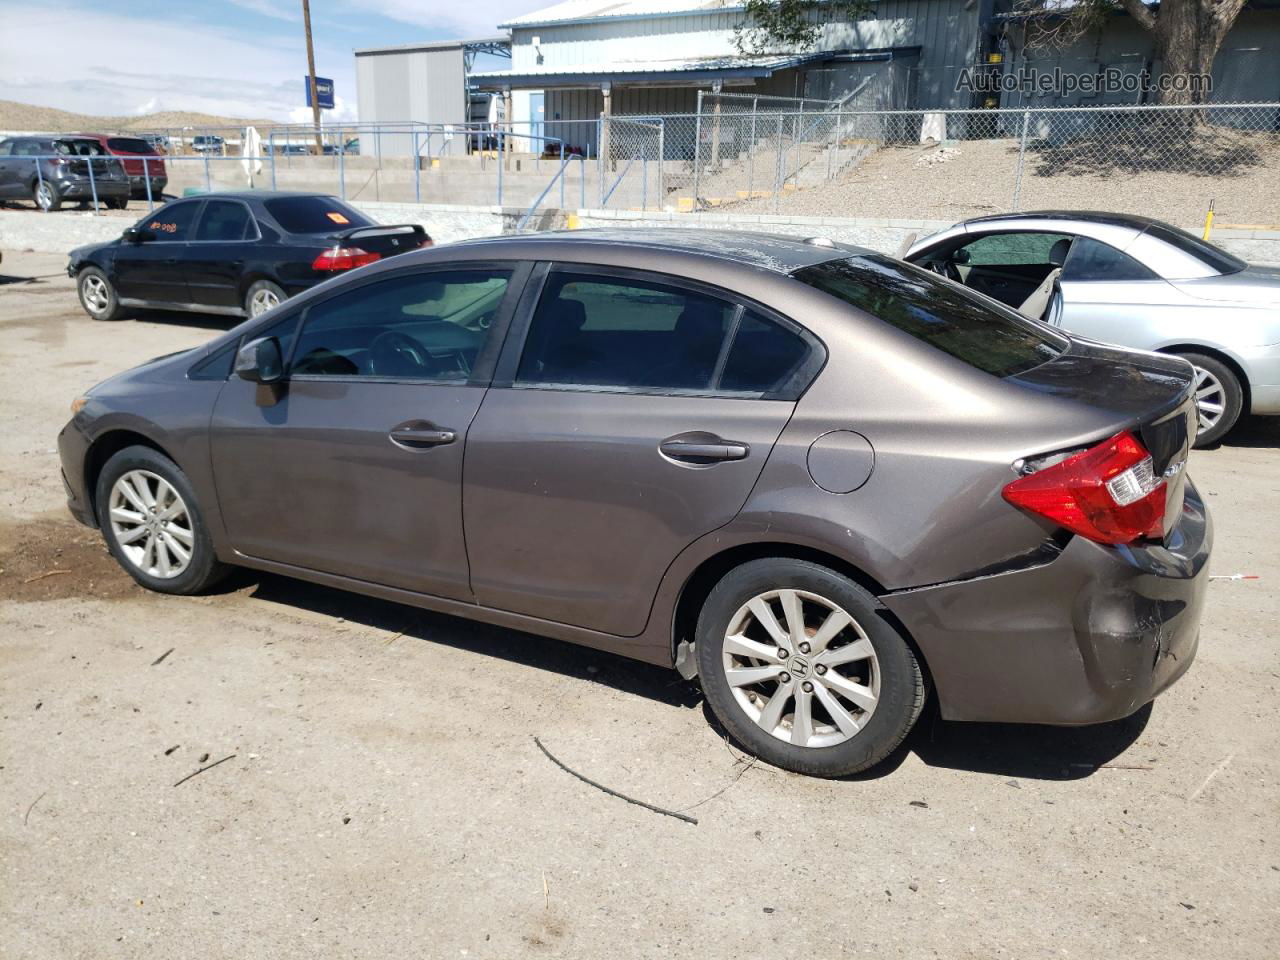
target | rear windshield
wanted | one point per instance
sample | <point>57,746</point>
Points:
<point>1213,257</point>
<point>84,148</point>
<point>315,214</point>
<point>969,327</point>
<point>129,145</point>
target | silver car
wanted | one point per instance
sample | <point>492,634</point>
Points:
<point>1136,282</point>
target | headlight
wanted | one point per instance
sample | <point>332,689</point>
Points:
<point>78,404</point>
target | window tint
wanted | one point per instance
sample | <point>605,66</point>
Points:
<point>283,330</point>
<point>83,147</point>
<point>225,220</point>
<point>944,315</point>
<point>315,214</point>
<point>216,366</point>
<point>1094,260</point>
<point>592,330</point>
<point>1214,257</point>
<point>34,148</point>
<point>173,221</point>
<point>763,357</point>
<point>1013,249</point>
<point>129,145</point>
<point>6,147</point>
<point>425,326</point>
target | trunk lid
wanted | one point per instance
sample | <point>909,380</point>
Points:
<point>1149,393</point>
<point>384,241</point>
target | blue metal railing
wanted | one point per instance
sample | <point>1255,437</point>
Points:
<point>559,175</point>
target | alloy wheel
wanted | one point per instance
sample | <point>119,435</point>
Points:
<point>1211,399</point>
<point>801,668</point>
<point>44,196</point>
<point>261,302</point>
<point>151,524</point>
<point>96,295</point>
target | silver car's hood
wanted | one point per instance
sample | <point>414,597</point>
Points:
<point>1255,286</point>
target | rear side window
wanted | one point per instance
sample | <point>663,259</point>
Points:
<point>596,331</point>
<point>1094,260</point>
<point>225,220</point>
<point>944,315</point>
<point>1214,257</point>
<point>315,215</point>
<point>129,145</point>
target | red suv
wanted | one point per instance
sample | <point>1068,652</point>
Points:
<point>131,150</point>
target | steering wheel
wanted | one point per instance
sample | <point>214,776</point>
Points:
<point>394,354</point>
<point>946,268</point>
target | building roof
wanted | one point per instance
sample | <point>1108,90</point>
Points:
<point>681,70</point>
<point>435,45</point>
<point>588,10</point>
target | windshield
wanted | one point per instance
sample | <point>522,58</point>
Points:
<point>945,315</point>
<point>1213,257</point>
<point>315,214</point>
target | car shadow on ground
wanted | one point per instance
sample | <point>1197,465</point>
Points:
<point>1015,751</point>
<point>1253,432</point>
<point>214,323</point>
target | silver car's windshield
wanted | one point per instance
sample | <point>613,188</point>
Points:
<point>1215,258</point>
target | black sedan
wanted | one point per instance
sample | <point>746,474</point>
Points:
<point>237,254</point>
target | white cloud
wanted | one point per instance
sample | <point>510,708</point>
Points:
<point>272,8</point>
<point>172,65</point>
<point>453,19</point>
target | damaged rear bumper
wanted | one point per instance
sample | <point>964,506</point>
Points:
<point>1089,637</point>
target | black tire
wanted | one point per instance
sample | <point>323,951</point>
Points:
<point>86,280</point>
<point>118,203</point>
<point>51,199</point>
<point>1232,396</point>
<point>261,287</point>
<point>203,569</point>
<point>902,684</point>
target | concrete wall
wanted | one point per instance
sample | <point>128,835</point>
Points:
<point>60,232</point>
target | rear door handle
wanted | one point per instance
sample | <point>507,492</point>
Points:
<point>417,435</point>
<point>703,448</point>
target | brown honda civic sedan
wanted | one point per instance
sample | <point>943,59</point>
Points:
<point>827,483</point>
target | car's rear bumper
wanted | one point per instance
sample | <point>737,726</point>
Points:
<point>1089,637</point>
<point>84,190</point>
<point>73,446</point>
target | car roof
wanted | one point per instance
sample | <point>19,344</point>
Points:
<point>258,195</point>
<point>782,254</point>
<point>1082,216</point>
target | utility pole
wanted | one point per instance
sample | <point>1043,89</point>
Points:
<point>311,74</point>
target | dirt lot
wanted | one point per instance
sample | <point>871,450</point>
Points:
<point>384,796</point>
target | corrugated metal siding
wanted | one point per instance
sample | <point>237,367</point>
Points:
<point>423,85</point>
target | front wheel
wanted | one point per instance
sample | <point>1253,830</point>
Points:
<point>800,667</point>
<point>262,296</point>
<point>148,514</point>
<point>97,294</point>
<point>1219,398</point>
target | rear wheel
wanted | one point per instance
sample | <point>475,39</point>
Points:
<point>118,203</point>
<point>97,295</point>
<point>262,296</point>
<point>1219,398</point>
<point>148,514</point>
<point>45,195</point>
<point>800,667</point>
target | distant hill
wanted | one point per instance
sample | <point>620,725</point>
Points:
<point>25,116</point>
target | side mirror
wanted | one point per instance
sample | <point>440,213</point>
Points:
<point>137,235</point>
<point>259,361</point>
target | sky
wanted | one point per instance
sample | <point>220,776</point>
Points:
<point>243,58</point>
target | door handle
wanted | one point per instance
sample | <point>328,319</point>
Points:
<point>420,436</point>
<point>703,448</point>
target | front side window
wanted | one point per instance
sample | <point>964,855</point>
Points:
<point>944,315</point>
<point>1014,249</point>
<point>172,223</point>
<point>1094,260</point>
<point>225,220</point>
<point>422,326</point>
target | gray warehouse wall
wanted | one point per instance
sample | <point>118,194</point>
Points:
<point>426,85</point>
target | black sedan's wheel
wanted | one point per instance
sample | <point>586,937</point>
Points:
<point>148,514</point>
<point>1219,398</point>
<point>262,296</point>
<point>97,295</point>
<point>45,195</point>
<point>798,665</point>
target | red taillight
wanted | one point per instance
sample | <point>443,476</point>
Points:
<point>1108,493</point>
<point>337,259</point>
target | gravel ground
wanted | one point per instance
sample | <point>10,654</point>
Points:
<point>979,179</point>
<point>384,797</point>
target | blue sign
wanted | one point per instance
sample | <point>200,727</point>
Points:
<point>324,91</point>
